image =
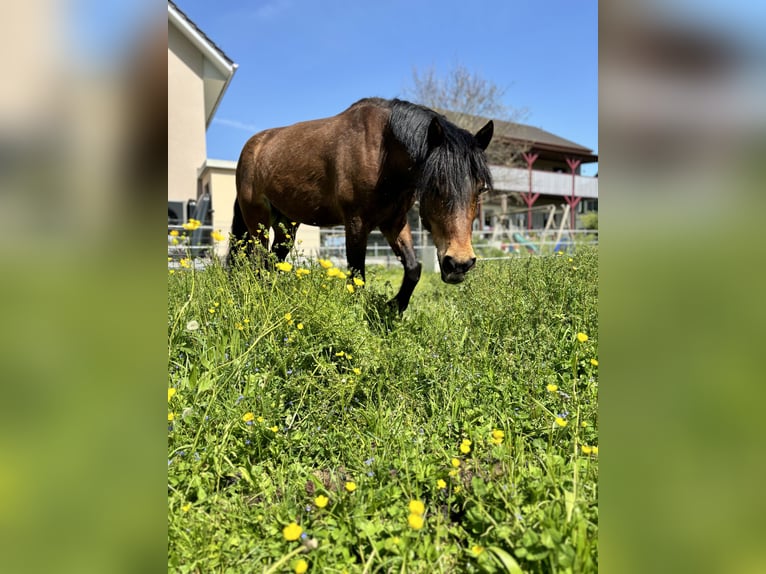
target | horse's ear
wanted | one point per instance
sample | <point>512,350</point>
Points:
<point>435,134</point>
<point>484,135</point>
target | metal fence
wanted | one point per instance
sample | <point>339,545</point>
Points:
<point>488,244</point>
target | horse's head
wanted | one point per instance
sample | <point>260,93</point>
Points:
<point>455,173</point>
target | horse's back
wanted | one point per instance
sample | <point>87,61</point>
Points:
<point>310,169</point>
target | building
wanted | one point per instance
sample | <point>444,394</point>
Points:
<point>199,73</point>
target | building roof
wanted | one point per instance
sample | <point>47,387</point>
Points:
<point>218,76</point>
<point>529,136</point>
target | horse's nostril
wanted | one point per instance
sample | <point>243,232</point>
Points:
<point>450,265</point>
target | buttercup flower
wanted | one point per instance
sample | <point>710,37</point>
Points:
<point>186,507</point>
<point>321,501</point>
<point>351,486</point>
<point>358,282</point>
<point>415,521</point>
<point>417,507</point>
<point>582,337</point>
<point>248,417</point>
<point>594,449</point>
<point>184,262</point>
<point>455,462</point>
<point>171,392</point>
<point>561,422</point>
<point>441,484</point>
<point>174,233</point>
<point>465,448</point>
<point>302,272</point>
<point>284,266</point>
<point>350,288</point>
<point>586,449</point>
<point>497,436</point>
<point>274,429</point>
<point>217,236</point>
<point>299,326</point>
<point>171,417</point>
<point>594,362</point>
<point>476,549</point>
<point>552,388</point>
<point>301,566</point>
<point>292,532</point>
<point>325,263</point>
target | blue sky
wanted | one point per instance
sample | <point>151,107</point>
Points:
<point>301,60</point>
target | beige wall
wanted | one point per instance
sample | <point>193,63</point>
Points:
<point>186,116</point>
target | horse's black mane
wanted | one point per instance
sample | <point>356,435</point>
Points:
<point>445,168</point>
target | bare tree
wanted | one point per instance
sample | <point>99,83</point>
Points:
<point>468,100</point>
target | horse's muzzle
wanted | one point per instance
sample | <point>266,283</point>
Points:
<point>453,271</point>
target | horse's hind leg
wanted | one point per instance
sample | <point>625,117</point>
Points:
<point>284,234</point>
<point>400,239</point>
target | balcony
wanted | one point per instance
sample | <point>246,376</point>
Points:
<point>513,179</point>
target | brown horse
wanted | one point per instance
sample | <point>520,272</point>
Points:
<point>364,168</point>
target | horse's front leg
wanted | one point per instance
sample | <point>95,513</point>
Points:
<point>400,238</point>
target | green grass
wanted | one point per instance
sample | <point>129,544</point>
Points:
<point>356,395</point>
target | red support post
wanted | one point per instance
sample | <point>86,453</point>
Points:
<point>572,201</point>
<point>529,197</point>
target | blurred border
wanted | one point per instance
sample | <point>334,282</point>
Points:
<point>682,125</point>
<point>83,112</point>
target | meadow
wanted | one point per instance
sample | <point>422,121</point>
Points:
<point>310,429</point>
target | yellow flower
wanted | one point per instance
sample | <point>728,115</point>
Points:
<point>415,521</point>
<point>321,501</point>
<point>171,417</point>
<point>582,337</point>
<point>184,263</point>
<point>248,417</point>
<point>357,371</point>
<point>441,484</point>
<point>239,326</point>
<point>350,288</point>
<point>453,473</point>
<point>217,236</point>
<point>302,272</point>
<point>552,388</point>
<point>301,566</point>
<point>171,392</point>
<point>456,490</point>
<point>465,448</point>
<point>339,354</point>
<point>288,317</point>
<point>497,436</point>
<point>561,422</point>
<point>594,449</point>
<point>476,549</point>
<point>284,266</point>
<point>259,419</point>
<point>299,326</point>
<point>211,310</point>
<point>351,486</point>
<point>466,441</point>
<point>594,362</point>
<point>358,282</point>
<point>417,507</point>
<point>174,233</point>
<point>192,224</point>
<point>325,263</point>
<point>586,449</point>
<point>274,429</point>
<point>292,532</point>
<point>186,507</point>
<point>455,462</point>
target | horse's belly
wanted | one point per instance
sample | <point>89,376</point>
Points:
<point>306,209</point>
